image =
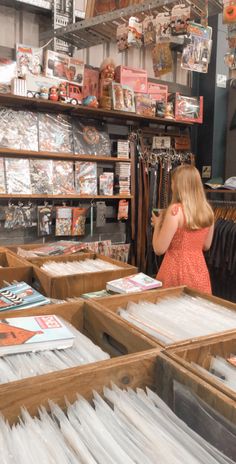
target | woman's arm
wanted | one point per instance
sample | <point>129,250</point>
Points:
<point>209,237</point>
<point>164,232</point>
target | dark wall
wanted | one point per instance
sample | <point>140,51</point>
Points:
<point>211,136</point>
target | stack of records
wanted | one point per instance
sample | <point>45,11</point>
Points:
<point>123,178</point>
<point>123,149</point>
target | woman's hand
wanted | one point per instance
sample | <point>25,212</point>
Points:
<point>156,220</point>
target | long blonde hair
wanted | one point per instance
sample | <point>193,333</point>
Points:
<point>187,189</point>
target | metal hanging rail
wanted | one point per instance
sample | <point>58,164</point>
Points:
<point>102,28</point>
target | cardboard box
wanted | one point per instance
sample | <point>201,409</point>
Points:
<point>63,67</point>
<point>134,78</point>
<point>91,82</point>
<point>158,92</point>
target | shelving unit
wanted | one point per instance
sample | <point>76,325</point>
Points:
<point>65,197</point>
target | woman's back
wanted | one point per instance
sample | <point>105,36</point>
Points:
<point>184,262</point>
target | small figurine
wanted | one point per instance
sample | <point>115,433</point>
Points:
<point>43,93</point>
<point>62,92</point>
<point>107,69</point>
<point>90,101</point>
<point>53,95</point>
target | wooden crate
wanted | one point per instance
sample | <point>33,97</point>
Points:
<point>151,369</point>
<point>113,303</point>
<point>110,335</point>
<point>75,285</point>
<point>14,269</point>
<point>201,352</point>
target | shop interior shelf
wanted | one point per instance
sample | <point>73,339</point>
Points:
<point>54,155</point>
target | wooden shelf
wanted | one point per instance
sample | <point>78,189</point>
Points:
<point>7,152</point>
<point>66,197</point>
<point>83,111</point>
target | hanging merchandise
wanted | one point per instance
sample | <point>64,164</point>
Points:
<point>229,11</point>
<point>91,138</point>
<point>122,97</point>
<point>123,210</point>
<point>63,221</point>
<point>101,214</point>
<point>135,36</point>
<point>180,17</point>
<point>41,176</point>
<point>196,54</point>
<point>55,133</point>
<point>18,176</point>
<point>78,221</point>
<point>44,220</point>
<point>86,178</point>
<point>230,59</point>
<point>19,216</point>
<point>149,30</point>
<point>162,59</point>
<point>163,29</point>
<point>231,36</point>
<point>29,60</point>
<point>161,142</point>
<point>63,178</point>
<point>2,177</point>
<point>122,37</point>
<point>19,129</point>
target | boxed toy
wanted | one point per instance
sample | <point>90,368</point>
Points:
<point>7,74</point>
<point>122,97</point>
<point>91,82</point>
<point>28,60</point>
<point>144,105</point>
<point>189,109</point>
<point>63,67</point>
<point>134,78</point>
<point>158,92</point>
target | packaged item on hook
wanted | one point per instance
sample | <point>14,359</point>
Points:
<point>63,220</point>
<point>162,59</point>
<point>163,29</point>
<point>229,12</point>
<point>41,175</point>
<point>55,133</point>
<point>149,30</point>
<point>91,138</point>
<point>2,176</point>
<point>86,178</point>
<point>196,55</point>
<point>29,213</point>
<point>180,18</point>
<point>231,36</point>
<point>44,220</point>
<point>19,216</point>
<point>63,178</point>
<point>123,210</point>
<point>78,221</point>
<point>18,176</point>
<point>122,37</point>
<point>19,129</point>
<point>135,36</point>
<point>29,60</point>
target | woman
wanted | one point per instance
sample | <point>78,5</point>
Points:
<point>184,232</point>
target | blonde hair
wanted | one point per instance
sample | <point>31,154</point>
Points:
<point>187,189</point>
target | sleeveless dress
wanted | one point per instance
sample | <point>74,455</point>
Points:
<point>184,262</point>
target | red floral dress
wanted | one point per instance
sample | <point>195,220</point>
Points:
<point>184,262</point>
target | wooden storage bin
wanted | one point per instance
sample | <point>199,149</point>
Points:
<point>14,268</point>
<point>113,303</point>
<point>75,285</point>
<point>201,352</point>
<point>151,369</point>
<point>110,335</point>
